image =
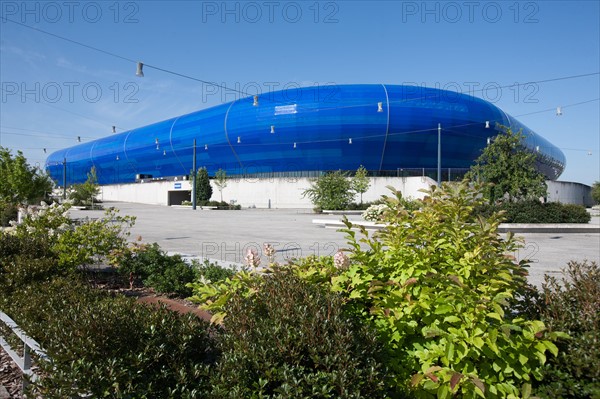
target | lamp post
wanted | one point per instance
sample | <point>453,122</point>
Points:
<point>64,178</point>
<point>194,176</point>
<point>439,156</point>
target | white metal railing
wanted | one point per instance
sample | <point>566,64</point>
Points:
<point>29,346</point>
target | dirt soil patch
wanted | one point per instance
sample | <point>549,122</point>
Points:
<point>10,376</point>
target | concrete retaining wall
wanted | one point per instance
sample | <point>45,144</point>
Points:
<point>276,192</point>
<point>287,192</point>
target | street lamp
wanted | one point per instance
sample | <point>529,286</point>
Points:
<point>439,156</point>
<point>194,176</point>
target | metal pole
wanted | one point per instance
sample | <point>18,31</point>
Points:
<point>194,177</point>
<point>65,178</point>
<point>439,161</point>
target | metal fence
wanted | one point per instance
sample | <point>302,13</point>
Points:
<point>29,346</point>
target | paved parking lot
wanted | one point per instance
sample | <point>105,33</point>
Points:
<point>226,235</point>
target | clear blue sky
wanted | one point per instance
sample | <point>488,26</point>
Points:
<point>54,90</point>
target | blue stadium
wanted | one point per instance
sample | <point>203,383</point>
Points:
<point>385,128</point>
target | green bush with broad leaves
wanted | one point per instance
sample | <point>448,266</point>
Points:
<point>93,241</point>
<point>292,339</point>
<point>436,283</point>
<point>89,242</point>
<point>212,273</point>
<point>572,304</point>
<point>331,191</point>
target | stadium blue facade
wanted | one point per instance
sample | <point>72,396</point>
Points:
<point>383,127</point>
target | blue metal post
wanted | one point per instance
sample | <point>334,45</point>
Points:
<point>194,177</point>
<point>439,160</point>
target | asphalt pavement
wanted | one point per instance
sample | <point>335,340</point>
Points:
<point>226,236</point>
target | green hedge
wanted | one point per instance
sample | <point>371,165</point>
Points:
<point>110,346</point>
<point>572,305</point>
<point>291,339</point>
<point>156,269</point>
<point>537,212</point>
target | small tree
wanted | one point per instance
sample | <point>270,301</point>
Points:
<point>221,181</point>
<point>360,182</point>
<point>86,193</point>
<point>596,192</point>
<point>203,188</point>
<point>510,167</point>
<point>330,191</point>
<point>21,183</point>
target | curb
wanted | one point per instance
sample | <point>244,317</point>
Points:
<point>503,228</point>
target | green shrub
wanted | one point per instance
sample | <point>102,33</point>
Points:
<point>8,213</point>
<point>436,284</point>
<point>572,305</point>
<point>292,339</point>
<point>85,194</point>
<point>537,212</point>
<point>596,192</point>
<point>110,346</point>
<point>331,191</point>
<point>213,273</point>
<point>156,269</point>
<point>24,259</point>
<point>93,241</point>
<point>220,205</point>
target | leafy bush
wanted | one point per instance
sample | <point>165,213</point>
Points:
<point>572,305</point>
<point>436,284</point>
<point>48,221</point>
<point>213,273</point>
<point>8,213</point>
<point>331,191</point>
<point>292,339</point>
<point>221,205</point>
<point>107,346</point>
<point>93,241</point>
<point>218,204</point>
<point>374,213</point>
<point>85,194</point>
<point>596,192</point>
<point>24,259</point>
<point>156,269</point>
<point>537,212</point>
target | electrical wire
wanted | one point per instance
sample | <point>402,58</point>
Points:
<point>313,109</point>
<point>249,94</point>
